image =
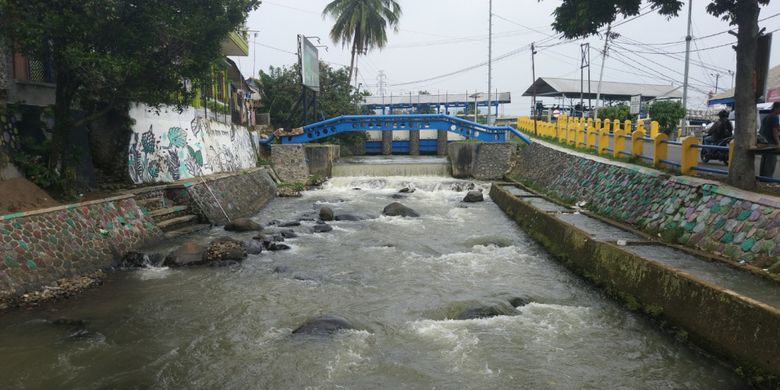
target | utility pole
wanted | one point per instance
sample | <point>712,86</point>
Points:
<point>490,59</point>
<point>584,62</point>
<point>601,72</point>
<point>533,85</point>
<point>717,77</point>
<point>381,78</point>
<point>731,73</point>
<point>687,64</point>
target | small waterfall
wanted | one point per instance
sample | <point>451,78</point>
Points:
<point>392,166</point>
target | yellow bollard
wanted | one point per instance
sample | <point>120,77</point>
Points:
<point>615,125</point>
<point>640,125</point>
<point>619,141</point>
<point>654,129</point>
<point>689,157</point>
<point>603,141</point>
<point>572,134</point>
<point>607,125</point>
<point>660,150</point>
<point>637,143</point>
<point>627,126</point>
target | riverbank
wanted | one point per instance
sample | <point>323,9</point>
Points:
<point>53,253</point>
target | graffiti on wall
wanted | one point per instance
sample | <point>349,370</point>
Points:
<point>162,149</point>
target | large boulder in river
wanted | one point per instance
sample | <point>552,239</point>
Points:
<point>253,247</point>
<point>225,248</point>
<point>326,214</point>
<point>396,209</point>
<point>243,225</point>
<point>324,325</point>
<point>486,311</point>
<point>189,253</point>
<point>474,196</point>
<point>321,228</point>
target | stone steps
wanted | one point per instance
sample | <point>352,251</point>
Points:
<point>183,231</point>
<point>161,215</point>
<point>177,223</point>
<point>154,203</point>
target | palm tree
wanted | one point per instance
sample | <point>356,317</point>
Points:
<point>362,24</point>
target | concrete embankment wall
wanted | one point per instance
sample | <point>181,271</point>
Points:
<point>739,328</point>
<point>240,194</point>
<point>295,163</point>
<point>42,246</point>
<point>38,248</point>
<point>701,214</point>
<point>480,160</point>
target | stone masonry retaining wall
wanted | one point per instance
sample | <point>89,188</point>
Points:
<point>480,160</point>
<point>240,194</point>
<point>702,214</point>
<point>294,163</point>
<point>42,246</point>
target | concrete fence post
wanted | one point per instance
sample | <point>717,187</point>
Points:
<point>637,142</point>
<point>441,142</point>
<point>654,129</point>
<point>619,141</point>
<point>627,126</point>
<point>660,149</point>
<point>414,142</point>
<point>603,141</point>
<point>731,151</point>
<point>689,157</point>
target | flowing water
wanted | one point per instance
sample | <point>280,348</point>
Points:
<point>397,279</point>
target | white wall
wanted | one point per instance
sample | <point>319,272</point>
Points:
<point>167,145</point>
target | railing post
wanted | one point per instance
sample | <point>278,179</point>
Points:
<point>615,125</point>
<point>607,125</point>
<point>660,149</point>
<point>603,141</point>
<point>654,129</point>
<point>640,125</point>
<point>619,141</point>
<point>627,126</point>
<point>571,135</point>
<point>637,142</point>
<point>689,158</point>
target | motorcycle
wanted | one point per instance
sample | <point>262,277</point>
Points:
<point>711,154</point>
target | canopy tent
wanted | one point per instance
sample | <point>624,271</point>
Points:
<point>772,90</point>
<point>610,90</point>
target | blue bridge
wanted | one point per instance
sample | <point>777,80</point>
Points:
<point>347,123</point>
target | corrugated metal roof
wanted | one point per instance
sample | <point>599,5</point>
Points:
<point>610,90</point>
<point>502,97</point>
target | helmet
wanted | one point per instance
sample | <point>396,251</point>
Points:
<point>723,114</point>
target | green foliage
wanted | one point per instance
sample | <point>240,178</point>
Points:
<point>581,18</point>
<point>31,160</point>
<point>667,113</point>
<point>294,185</point>
<point>106,53</point>
<point>618,111</point>
<point>281,88</point>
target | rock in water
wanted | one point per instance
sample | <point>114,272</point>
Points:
<point>406,190</point>
<point>253,247</point>
<point>348,217</point>
<point>134,260</point>
<point>326,214</point>
<point>324,228</point>
<point>486,311</point>
<point>225,248</point>
<point>474,196</point>
<point>324,325</point>
<point>275,246</point>
<point>290,224</point>
<point>190,253</point>
<point>396,209</point>
<point>243,225</point>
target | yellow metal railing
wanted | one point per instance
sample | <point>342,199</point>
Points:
<point>595,135</point>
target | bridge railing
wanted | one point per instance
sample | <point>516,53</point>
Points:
<point>627,139</point>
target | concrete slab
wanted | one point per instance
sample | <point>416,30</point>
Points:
<point>597,229</point>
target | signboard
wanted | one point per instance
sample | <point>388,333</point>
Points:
<point>636,104</point>
<point>556,113</point>
<point>309,61</point>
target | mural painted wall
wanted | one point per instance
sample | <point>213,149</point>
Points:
<point>167,145</point>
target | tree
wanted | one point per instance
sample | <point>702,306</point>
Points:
<point>667,113</point>
<point>621,112</point>
<point>281,88</point>
<point>106,53</point>
<point>362,24</point>
<point>581,18</point>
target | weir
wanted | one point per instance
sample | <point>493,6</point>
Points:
<point>395,166</point>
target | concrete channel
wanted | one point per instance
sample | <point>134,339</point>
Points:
<point>730,312</point>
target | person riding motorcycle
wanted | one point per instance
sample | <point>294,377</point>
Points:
<point>720,130</point>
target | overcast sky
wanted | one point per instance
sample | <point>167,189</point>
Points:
<point>438,37</point>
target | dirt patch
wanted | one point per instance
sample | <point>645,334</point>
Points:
<point>20,194</point>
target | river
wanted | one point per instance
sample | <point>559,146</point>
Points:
<point>397,279</point>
